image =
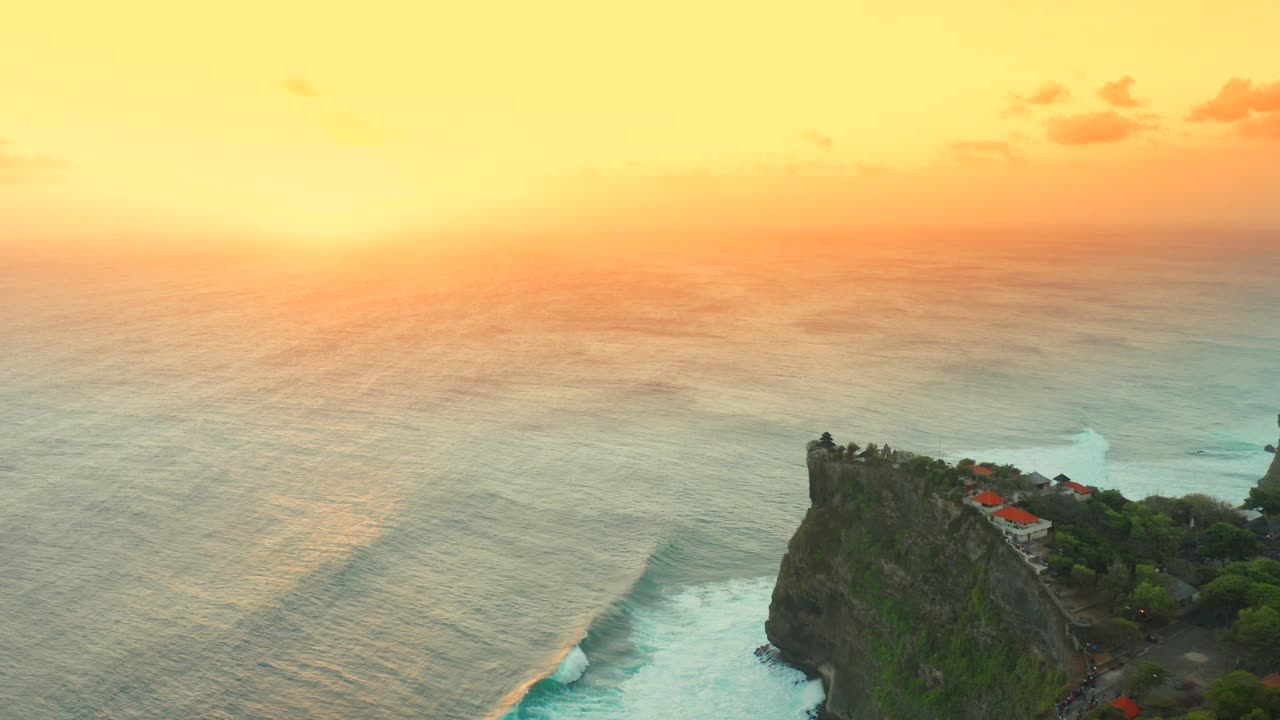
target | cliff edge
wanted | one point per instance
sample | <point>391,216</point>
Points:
<point>910,604</point>
<point>1272,478</point>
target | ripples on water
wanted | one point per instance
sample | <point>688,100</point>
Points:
<point>311,487</point>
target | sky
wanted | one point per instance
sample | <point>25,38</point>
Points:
<point>322,121</point>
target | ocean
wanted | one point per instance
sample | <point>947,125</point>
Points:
<point>550,482</point>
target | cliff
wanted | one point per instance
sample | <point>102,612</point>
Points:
<point>910,604</point>
<point>1272,478</point>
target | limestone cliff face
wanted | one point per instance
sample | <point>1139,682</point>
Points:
<point>910,604</point>
<point>1272,478</point>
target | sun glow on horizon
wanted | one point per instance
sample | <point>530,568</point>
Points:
<point>339,120</point>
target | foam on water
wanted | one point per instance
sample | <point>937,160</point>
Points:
<point>691,657</point>
<point>571,666</point>
<point>1223,467</point>
<point>1083,457</point>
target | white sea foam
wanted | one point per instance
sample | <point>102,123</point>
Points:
<point>1222,468</point>
<point>571,666</point>
<point>694,660</point>
<point>1083,457</point>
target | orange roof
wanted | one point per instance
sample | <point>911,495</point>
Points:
<point>1013,514</point>
<point>981,470</point>
<point>1128,706</point>
<point>988,498</point>
<point>1272,680</point>
<point>1077,487</point>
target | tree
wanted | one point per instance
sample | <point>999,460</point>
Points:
<point>1257,631</point>
<point>1261,569</point>
<point>1150,601</point>
<point>1207,511</point>
<point>1267,500</point>
<point>1144,573</point>
<point>1121,632</point>
<point>1228,542</point>
<point>1061,564</point>
<point>1083,577</point>
<point>1236,694</point>
<point>1147,676</point>
<point>1151,535</point>
<point>1261,594</point>
<point>1117,581</point>
<point>1113,498</point>
<point>1225,597</point>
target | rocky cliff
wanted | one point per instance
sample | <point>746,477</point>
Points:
<point>1272,478</point>
<point>910,604</point>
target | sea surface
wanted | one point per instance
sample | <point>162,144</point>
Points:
<point>549,482</point>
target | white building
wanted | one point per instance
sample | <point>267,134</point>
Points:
<point>1020,525</point>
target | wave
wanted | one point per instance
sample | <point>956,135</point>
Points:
<point>1082,457</point>
<point>571,667</point>
<point>666,649</point>
<point>1221,466</point>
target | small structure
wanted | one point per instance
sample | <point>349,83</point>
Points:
<point>1249,515</point>
<point>1061,478</point>
<point>1038,481</point>
<point>1019,524</point>
<point>1182,592</point>
<point>1127,706</point>
<point>1080,492</point>
<point>988,502</point>
<point>826,441</point>
<point>982,471</point>
<point>1272,680</point>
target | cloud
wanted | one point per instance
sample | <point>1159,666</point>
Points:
<point>1091,128</point>
<point>982,152</point>
<point>1048,93</point>
<point>1265,127</point>
<point>299,87</point>
<point>870,168</point>
<point>826,142</point>
<point>18,168</point>
<point>1236,99</point>
<point>1117,92</point>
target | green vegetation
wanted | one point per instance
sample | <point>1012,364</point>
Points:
<point>1265,499</point>
<point>1239,696</point>
<point>1152,601</point>
<point>1146,676</point>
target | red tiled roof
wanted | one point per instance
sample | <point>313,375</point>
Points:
<point>1128,706</point>
<point>988,498</point>
<point>1272,680</point>
<point>981,470</point>
<point>1077,487</point>
<point>1013,514</point>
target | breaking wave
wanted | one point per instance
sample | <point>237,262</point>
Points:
<point>683,653</point>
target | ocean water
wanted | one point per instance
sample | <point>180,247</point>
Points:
<point>554,483</point>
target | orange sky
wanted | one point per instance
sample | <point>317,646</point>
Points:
<point>323,121</point>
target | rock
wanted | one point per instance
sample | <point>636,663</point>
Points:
<point>889,587</point>
<point>1270,448</point>
<point>1272,478</point>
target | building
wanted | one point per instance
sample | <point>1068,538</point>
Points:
<point>1061,478</point>
<point>1272,680</point>
<point>1038,481</point>
<point>1080,492</point>
<point>1127,706</point>
<point>982,471</point>
<point>1019,524</point>
<point>1182,592</point>
<point>988,502</point>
